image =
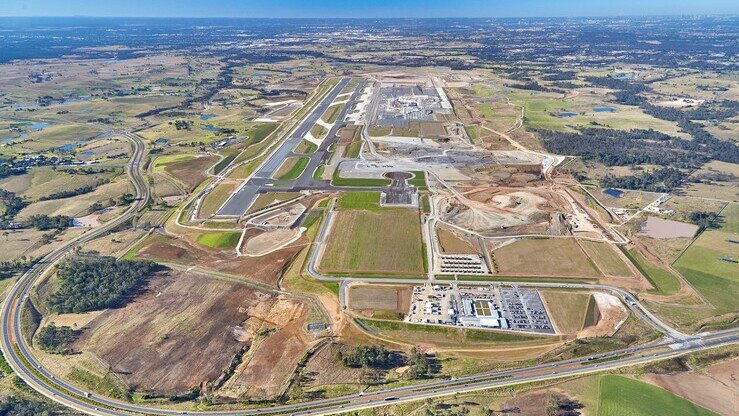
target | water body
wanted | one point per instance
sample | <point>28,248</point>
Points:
<point>67,147</point>
<point>206,117</point>
<point>567,114</point>
<point>38,126</point>
<point>604,109</point>
<point>161,141</point>
<point>211,128</point>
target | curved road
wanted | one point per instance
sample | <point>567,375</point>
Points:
<point>32,372</point>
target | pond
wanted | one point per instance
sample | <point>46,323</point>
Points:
<point>211,128</point>
<point>67,147</point>
<point>567,114</point>
<point>38,126</point>
<point>161,141</point>
<point>604,109</point>
<point>206,117</point>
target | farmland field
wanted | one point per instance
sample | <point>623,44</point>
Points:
<point>554,257</point>
<point>709,263</point>
<point>383,242</point>
<point>621,396</point>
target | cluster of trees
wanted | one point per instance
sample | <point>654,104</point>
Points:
<point>182,124</point>
<point>13,204</point>
<point>18,406</point>
<point>704,219</point>
<point>558,405</point>
<point>623,148</point>
<point>69,193</point>
<point>7,170</point>
<point>560,76</point>
<point>54,339</point>
<point>421,365</point>
<point>630,93</point>
<point>373,356</point>
<point>87,284</point>
<point>11,267</point>
<point>659,180</point>
<point>44,222</point>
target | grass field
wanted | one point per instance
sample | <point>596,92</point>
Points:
<point>291,168</point>
<point>332,113</point>
<point>305,147</point>
<point>221,241</point>
<point>318,131</point>
<point>568,309</point>
<point>663,281</point>
<point>605,258</point>
<point>217,197</point>
<point>554,257</point>
<point>447,336</point>
<point>369,200</point>
<point>622,396</point>
<point>702,265</point>
<point>374,242</point>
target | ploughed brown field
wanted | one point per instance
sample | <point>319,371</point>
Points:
<point>184,329</point>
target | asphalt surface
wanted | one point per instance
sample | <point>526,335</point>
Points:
<point>261,180</point>
<point>19,357</point>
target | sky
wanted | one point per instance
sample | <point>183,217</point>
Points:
<point>363,8</point>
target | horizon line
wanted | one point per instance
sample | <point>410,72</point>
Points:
<point>375,17</point>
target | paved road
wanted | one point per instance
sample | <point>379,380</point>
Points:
<point>240,200</point>
<point>630,300</point>
<point>30,370</point>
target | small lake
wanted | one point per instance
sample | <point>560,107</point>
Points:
<point>211,128</point>
<point>206,117</point>
<point>161,141</point>
<point>604,109</point>
<point>567,114</point>
<point>38,126</point>
<point>613,192</point>
<point>67,147</point>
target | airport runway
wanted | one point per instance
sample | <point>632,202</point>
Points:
<point>30,370</point>
<point>240,200</point>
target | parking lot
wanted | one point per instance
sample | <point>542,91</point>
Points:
<point>483,307</point>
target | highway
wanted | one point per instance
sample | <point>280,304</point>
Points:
<point>17,351</point>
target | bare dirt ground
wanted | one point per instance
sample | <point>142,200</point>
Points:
<point>531,404</point>
<point>265,269</point>
<point>490,210</point>
<point>176,335</point>
<point>714,388</point>
<point>269,241</point>
<point>452,242</point>
<point>390,298</point>
<point>656,227</point>
<point>272,361</point>
<point>612,314</point>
